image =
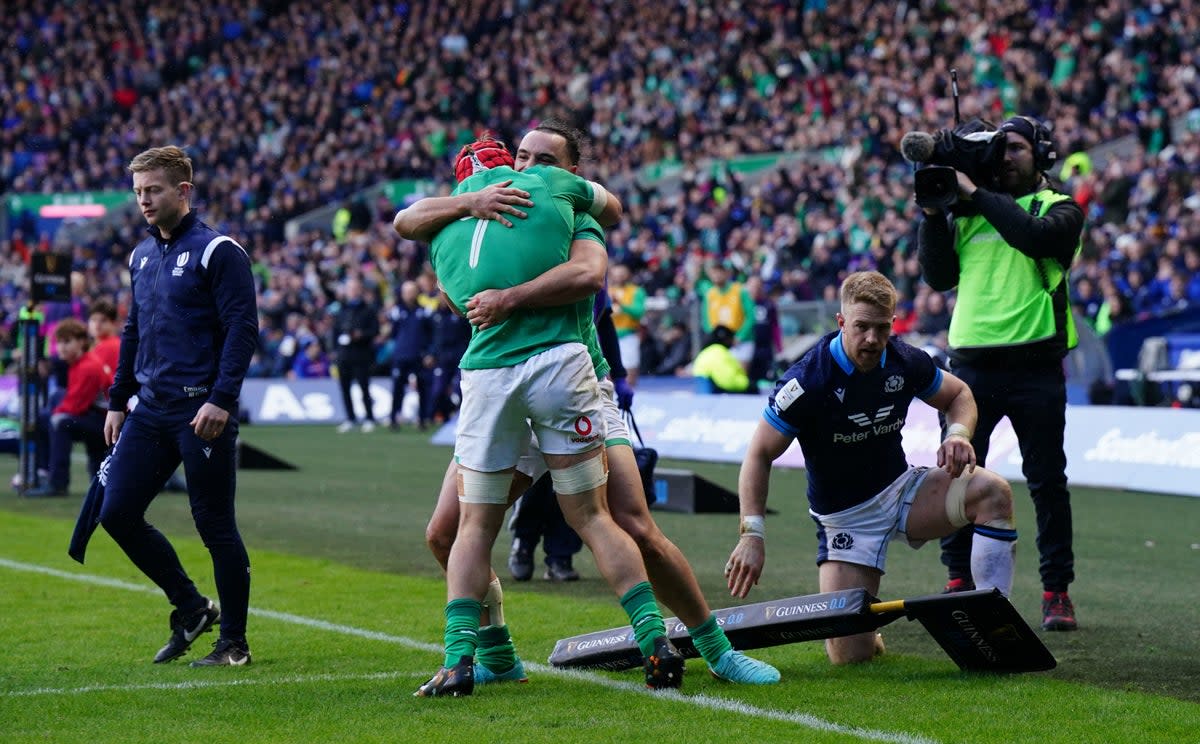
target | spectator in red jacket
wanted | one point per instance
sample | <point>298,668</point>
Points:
<point>102,327</point>
<point>80,415</point>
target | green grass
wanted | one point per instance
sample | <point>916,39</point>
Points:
<point>340,542</point>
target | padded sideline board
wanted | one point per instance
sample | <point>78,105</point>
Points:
<point>979,630</point>
<point>789,620</point>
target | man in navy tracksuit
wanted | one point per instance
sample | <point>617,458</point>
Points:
<point>186,346</point>
<point>412,352</point>
<point>451,334</point>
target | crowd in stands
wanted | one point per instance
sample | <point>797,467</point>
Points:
<point>290,106</point>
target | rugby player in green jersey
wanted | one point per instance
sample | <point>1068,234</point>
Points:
<point>531,371</point>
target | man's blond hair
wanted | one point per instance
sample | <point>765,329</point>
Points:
<point>869,287</point>
<point>171,160</point>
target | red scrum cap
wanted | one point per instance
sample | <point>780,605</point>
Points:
<point>480,156</point>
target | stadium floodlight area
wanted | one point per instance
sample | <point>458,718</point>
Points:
<point>980,630</point>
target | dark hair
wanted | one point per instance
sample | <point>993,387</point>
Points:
<point>105,308</point>
<point>722,335</point>
<point>576,140</point>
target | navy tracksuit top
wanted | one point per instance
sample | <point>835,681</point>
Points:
<point>193,321</point>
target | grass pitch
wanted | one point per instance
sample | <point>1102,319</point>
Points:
<point>346,622</point>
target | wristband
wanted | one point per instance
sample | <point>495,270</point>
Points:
<point>958,430</point>
<point>752,526</point>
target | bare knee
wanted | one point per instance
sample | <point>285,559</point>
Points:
<point>854,649</point>
<point>992,498</point>
<point>641,528</point>
<point>439,541</point>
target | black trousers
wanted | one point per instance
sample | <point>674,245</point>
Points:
<point>1035,401</point>
<point>356,368</point>
<point>538,516</point>
<point>401,369</point>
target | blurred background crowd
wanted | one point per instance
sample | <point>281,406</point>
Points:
<point>754,143</point>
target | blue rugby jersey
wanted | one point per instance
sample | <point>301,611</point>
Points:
<point>848,422</point>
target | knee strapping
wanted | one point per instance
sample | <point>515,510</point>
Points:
<point>581,477</point>
<point>484,488</point>
<point>956,500</point>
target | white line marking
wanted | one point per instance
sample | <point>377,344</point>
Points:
<point>700,701</point>
<point>199,684</point>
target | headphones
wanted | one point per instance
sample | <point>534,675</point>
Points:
<point>1044,156</point>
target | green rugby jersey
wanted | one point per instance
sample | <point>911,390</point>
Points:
<point>471,255</point>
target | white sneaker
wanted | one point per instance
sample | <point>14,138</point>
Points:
<point>345,426</point>
<point>368,427</point>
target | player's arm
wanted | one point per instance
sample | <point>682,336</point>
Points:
<point>424,219</point>
<point>584,196</point>
<point>954,398</point>
<point>746,562</point>
<point>579,278</point>
<point>613,210</point>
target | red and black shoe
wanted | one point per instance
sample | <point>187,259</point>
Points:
<point>1057,612</point>
<point>954,586</point>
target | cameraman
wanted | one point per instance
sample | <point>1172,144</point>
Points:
<point>1007,248</point>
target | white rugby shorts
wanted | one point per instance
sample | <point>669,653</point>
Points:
<point>554,393</point>
<point>534,465</point>
<point>861,534</point>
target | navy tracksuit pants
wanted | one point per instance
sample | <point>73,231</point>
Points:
<point>153,442</point>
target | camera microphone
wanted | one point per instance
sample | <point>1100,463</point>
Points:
<point>917,147</point>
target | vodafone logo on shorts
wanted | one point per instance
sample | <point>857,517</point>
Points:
<point>583,427</point>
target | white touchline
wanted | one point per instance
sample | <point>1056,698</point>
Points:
<point>200,683</point>
<point>701,701</point>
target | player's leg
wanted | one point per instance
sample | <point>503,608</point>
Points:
<point>579,483</point>
<point>443,523</point>
<point>834,576</point>
<point>566,409</point>
<point>852,550</point>
<point>670,574</point>
<point>982,499</point>
<point>496,655</point>
<point>672,577</point>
